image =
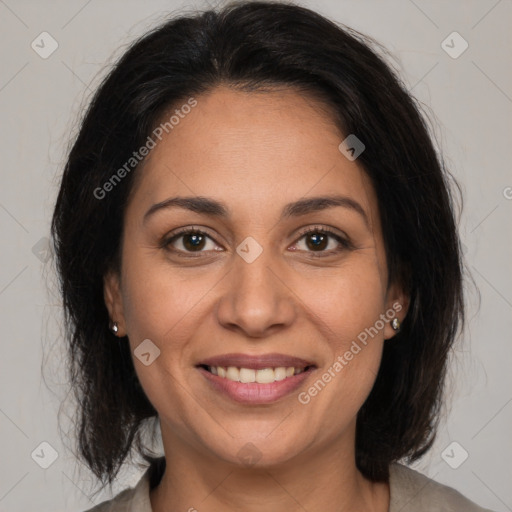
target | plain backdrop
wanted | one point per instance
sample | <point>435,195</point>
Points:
<point>469,98</point>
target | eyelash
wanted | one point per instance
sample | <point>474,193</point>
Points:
<point>166,243</point>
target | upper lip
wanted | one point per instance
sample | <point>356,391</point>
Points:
<point>256,362</point>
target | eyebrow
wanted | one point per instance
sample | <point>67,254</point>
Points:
<point>206,206</point>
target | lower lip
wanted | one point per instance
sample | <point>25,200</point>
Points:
<point>253,392</point>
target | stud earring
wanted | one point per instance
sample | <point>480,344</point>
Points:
<point>114,327</point>
<point>395,324</point>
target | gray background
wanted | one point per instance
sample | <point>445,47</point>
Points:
<point>40,102</point>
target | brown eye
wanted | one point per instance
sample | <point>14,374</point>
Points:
<point>190,241</point>
<point>193,241</point>
<point>316,241</point>
<point>322,241</point>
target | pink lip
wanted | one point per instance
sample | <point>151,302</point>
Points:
<point>256,362</point>
<point>254,393</point>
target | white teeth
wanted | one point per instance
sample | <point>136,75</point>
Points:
<point>266,376</point>
<point>233,373</point>
<point>247,375</point>
<point>280,373</point>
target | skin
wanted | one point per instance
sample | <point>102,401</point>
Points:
<point>255,152</point>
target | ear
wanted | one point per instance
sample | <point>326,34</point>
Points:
<point>397,305</point>
<point>113,300</point>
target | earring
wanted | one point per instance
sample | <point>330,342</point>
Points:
<point>395,324</point>
<point>114,327</point>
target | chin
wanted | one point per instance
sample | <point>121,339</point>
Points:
<point>253,451</point>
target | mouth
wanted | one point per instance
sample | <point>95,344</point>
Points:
<point>263,369</point>
<point>249,375</point>
<point>255,379</point>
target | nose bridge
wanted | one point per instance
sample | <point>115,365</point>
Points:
<point>251,271</point>
<point>255,299</point>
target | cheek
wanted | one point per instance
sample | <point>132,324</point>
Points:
<point>160,301</point>
<point>162,304</point>
<point>347,301</point>
<point>347,305</point>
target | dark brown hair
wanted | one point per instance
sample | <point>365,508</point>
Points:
<point>251,46</point>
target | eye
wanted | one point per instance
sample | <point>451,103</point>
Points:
<point>189,240</point>
<point>317,239</point>
<point>322,240</point>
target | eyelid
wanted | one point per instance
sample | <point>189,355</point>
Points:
<point>342,238</point>
<point>170,237</point>
<point>338,235</point>
<point>323,229</point>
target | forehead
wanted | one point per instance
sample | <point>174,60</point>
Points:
<point>254,150</point>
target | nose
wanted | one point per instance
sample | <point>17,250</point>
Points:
<point>256,299</point>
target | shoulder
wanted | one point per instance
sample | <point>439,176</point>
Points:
<point>133,499</point>
<point>413,492</point>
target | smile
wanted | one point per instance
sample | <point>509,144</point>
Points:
<point>248,375</point>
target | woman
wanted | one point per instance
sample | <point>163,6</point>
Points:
<point>257,249</point>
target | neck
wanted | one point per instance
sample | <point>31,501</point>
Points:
<point>327,480</point>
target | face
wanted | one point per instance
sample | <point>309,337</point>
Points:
<point>268,280</point>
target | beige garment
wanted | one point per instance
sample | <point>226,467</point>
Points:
<point>410,492</point>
